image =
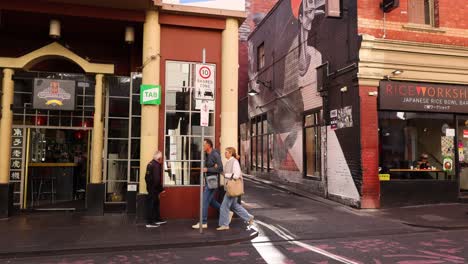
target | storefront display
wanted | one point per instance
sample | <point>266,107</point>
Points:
<point>421,141</point>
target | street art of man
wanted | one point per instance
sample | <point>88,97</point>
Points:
<point>308,58</point>
<point>297,69</point>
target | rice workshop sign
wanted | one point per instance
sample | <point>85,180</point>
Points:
<point>424,97</point>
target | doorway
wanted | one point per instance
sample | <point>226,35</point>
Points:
<point>57,168</point>
<point>462,147</point>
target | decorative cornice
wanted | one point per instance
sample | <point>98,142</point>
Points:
<point>423,62</point>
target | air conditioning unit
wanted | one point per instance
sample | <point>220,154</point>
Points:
<point>389,5</point>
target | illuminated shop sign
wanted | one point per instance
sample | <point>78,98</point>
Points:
<point>424,97</point>
<point>53,94</point>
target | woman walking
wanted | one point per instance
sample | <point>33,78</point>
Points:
<point>232,171</point>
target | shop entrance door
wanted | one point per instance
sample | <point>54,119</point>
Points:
<point>462,146</point>
<point>57,169</point>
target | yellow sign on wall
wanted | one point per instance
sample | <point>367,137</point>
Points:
<point>384,177</point>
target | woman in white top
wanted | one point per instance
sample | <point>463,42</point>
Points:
<point>232,170</point>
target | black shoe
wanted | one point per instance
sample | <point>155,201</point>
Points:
<point>160,222</point>
<point>151,225</point>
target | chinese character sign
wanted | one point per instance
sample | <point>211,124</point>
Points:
<point>17,154</point>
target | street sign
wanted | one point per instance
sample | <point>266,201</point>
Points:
<point>205,82</point>
<point>204,114</point>
<point>198,104</point>
<point>150,94</point>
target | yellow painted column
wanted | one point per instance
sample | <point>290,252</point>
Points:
<point>149,113</point>
<point>5,126</point>
<point>98,133</point>
<point>229,85</point>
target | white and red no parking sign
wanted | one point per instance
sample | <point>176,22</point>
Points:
<point>205,82</point>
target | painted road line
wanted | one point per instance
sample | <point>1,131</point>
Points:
<point>291,239</point>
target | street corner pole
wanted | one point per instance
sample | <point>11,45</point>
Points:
<point>200,222</point>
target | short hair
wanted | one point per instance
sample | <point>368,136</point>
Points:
<point>157,155</point>
<point>209,142</point>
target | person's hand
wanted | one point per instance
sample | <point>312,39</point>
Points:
<point>216,166</point>
<point>205,170</point>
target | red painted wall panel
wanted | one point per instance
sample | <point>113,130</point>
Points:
<point>369,148</point>
<point>186,44</point>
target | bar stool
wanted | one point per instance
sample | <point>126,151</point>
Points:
<point>50,181</point>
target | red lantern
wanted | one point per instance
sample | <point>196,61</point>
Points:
<point>78,135</point>
<point>39,120</point>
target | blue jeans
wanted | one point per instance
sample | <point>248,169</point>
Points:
<point>230,203</point>
<point>208,199</point>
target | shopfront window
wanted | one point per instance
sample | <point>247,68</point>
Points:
<point>312,152</point>
<point>183,133</point>
<point>25,114</point>
<point>417,146</point>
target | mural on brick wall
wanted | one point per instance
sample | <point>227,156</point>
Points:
<point>297,39</point>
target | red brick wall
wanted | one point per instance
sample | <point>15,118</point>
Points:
<point>452,21</point>
<point>255,9</point>
<point>370,148</point>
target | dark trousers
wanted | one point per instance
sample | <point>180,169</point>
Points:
<point>152,208</point>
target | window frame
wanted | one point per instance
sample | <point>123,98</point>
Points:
<point>429,14</point>
<point>261,56</point>
<point>257,138</point>
<point>186,163</point>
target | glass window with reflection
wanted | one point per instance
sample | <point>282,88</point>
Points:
<point>183,141</point>
<point>417,146</point>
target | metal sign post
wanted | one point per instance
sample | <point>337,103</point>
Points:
<point>205,94</point>
<point>202,180</point>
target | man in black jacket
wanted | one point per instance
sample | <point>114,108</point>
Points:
<point>154,187</point>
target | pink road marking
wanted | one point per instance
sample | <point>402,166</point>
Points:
<point>213,258</point>
<point>444,241</point>
<point>451,250</point>
<point>420,262</point>
<point>426,244</point>
<point>239,254</point>
<point>297,249</point>
<point>325,247</point>
<point>450,258</point>
<point>409,256</point>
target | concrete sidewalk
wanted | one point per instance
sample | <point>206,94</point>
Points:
<point>73,233</point>
<point>436,216</point>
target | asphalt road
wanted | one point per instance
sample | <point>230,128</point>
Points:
<point>298,230</point>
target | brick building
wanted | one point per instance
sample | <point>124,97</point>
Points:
<point>373,115</point>
<point>256,11</point>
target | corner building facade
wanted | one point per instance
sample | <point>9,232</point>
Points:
<point>75,134</point>
<point>350,115</point>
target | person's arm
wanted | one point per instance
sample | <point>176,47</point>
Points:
<point>236,169</point>
<point>219,168</point>
<point>157,176</point>
<point>149,179</point>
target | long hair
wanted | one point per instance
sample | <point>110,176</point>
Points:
<point>233,152</point>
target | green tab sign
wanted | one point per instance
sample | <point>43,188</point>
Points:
<point>150,94</point>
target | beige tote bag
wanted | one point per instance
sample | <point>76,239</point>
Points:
<point>234,187</point>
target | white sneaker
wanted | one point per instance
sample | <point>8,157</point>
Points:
<point>197,226</point>
<point>151,226</point>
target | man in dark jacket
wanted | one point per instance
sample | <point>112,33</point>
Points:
<point>154,187</point>
<point>213,166</point>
